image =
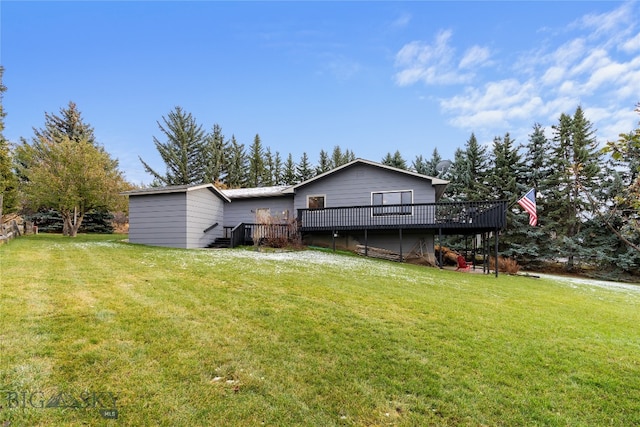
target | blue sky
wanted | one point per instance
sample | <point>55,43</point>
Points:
<point>373,77</point>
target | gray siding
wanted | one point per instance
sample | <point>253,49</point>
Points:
<point>203,210</point>
<point>244,210</point>
<point>158,219</point>
<point>353,187</point>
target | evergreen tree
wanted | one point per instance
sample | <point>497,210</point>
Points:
<point>420,165</point>
<point>277,169</point>
<point>237,165</point>
<point>577,163</point>
<point>215,155</point>
<point>269,177</point>
<point>468,173</point>
<point>324,163</point>
<point>304,170</point>
<point>614,227</point>
<point>396,161</point>
<point>503,181</point>
<point>534,245</point>
<point>477,163</point>
<point>349,156</point>
<point>433,163</point>
<point>183,152</point>
<point>256,163</point>
<point>289,173</point>
<point>8,179</point>
<point>455,191</point>
<point>339,158</point>
<point>69,124</point>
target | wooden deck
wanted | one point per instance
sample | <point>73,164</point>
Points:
<point>447,218</point>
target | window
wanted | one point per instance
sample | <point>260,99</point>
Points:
<point>315,202</point>
<point>387,200</point>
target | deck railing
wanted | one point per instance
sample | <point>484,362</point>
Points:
<point>484,215</point>
<point>248,233</point>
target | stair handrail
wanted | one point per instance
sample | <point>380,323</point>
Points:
<point>237,235</point>
<point>210,228</point>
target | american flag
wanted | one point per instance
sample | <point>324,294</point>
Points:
<point>528,203</point>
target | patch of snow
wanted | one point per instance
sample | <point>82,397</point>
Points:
<point>618,286</point>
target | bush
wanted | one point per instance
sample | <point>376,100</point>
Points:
<point>50,221</point>
<point>505,265</point>
<point>276,234</point>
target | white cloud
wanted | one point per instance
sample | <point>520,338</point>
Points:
<point>553,75</point>
<point>612,24</point>
<point>598,68</point>
<point>429,63</point>
<point>343,68</point>
<point>476,55</point>
<point>631,45</point>
<point>402,21</point>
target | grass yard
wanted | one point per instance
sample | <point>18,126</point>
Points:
<point>93,325</point>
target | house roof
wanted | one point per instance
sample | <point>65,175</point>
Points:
<point>176,189</point>
<point>439,184</point>
<point>282,190</point>
<point>246,193</point>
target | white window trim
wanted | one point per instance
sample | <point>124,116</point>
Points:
<point>317,195</point>
<point>390,191</point>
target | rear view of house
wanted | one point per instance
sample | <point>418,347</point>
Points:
<point>361,203</point>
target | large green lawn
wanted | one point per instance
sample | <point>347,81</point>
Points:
<point>242,338</point>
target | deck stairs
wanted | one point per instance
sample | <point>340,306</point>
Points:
<point>220,242</point>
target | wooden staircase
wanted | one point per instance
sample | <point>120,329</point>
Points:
<point>220,242</point>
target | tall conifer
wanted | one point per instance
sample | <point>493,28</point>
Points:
<point>183,150</point>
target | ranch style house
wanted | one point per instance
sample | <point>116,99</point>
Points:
<point>359,204</point>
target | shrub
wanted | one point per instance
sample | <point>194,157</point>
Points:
<point>275,233</point>
<point>505,265</point>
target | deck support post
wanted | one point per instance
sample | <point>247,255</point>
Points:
<point>440,245</point>
<point>474,249</point>
<point>401,258</point>
<point>496,250</point>
<point>485,247</point>
<point>333,239</point>
<point>366,242</point>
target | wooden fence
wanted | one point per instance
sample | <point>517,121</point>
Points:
<point>11,229</point>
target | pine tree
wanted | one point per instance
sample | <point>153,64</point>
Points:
<point>269,178</point>
<point>304,170</point>
<point>477,163</point>
<point>349,156</point>
<point>237,165</point>
<point>289,173</point>
<point>455,191</point>
<point>339,158</point>
<point>575,173</point>
<point>420,165</point>
<point>396,161</point>
<point>68,124</point>
<point>504,184</point>
<point>215,156</point>
<point>534,245</point>
<point>324,163</point>
<point>614,226</point>
<point>182,152</point>
<point>277,169</point>
<point>433,163</point>
<point>468,173</point>
<point>256,163</point>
